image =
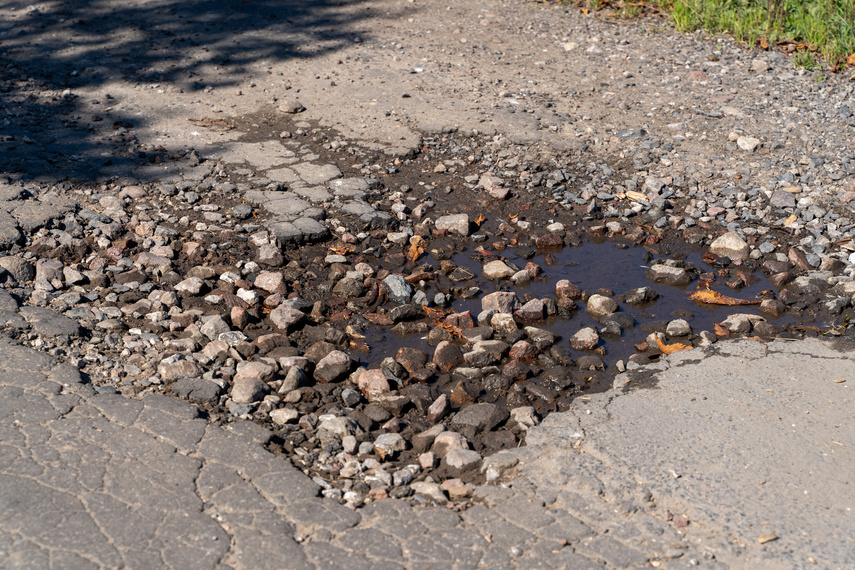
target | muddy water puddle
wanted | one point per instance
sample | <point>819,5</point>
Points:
<point>596,267</point>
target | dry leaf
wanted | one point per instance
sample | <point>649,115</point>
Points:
<point>671,348</point>
<point>851,60</point>
<point>378,319</point>
<point>715,298</point>
<point>435,315</point>
<point>763,539</point>
<point>340,249</point>
<point>480,220</point>
<point>763,43</point>
<point>414,252</point>
<point>584,11</point>
<point>635,196</point>
<point>420,276</point>
<point>720,330</point>
<point>790,220</point>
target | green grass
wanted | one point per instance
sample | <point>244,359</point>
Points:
<point>816,30</point>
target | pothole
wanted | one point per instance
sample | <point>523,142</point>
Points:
<point>374,357</point>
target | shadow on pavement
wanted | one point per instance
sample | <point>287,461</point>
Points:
<point>51,49</point>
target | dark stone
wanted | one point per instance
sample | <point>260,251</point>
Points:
<point>557,377</point>
<point>411,359</point>
<point>482,416</point>
<point>197,390</point>
<point>408,312</point>
<point>590,362</point>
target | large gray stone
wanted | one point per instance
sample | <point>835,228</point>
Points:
<point>399,290</point>
<point>455,224</point>
<point>197,390</point>
<point>21,269</point>
<point>730,245</point>
<point>287,318</point>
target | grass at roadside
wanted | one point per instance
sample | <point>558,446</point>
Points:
<point>817,30</point>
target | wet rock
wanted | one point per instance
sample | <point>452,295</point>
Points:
<point>740,323</point>
<point>585,339</point>
<point>666,275</point>
<point>558,377</point>
<point>564,289</point>
<point>549,241</point>
<point>456,224</point>
<point>640,296</point>
<point>287,318</point>
<point>482,416</point>
<point>503,323</point>
<point>411,359</point>
<point>772,307</point>
<point>349,288</point>
<point>523,351</point>
<point>476,334</point>
<point>730,245</point>
<point>531,312</point>
<point>447,355</point>
<point>399,290</point>
<point>408,312</point>
<point>781,279</point>
<point>500,301</point>
<point>332,367</point>
<point>516,370</point>
<point>678,327</point>
<point>248,390</point>
<point>497,270</point>
<point>599,306</point>
<point>590,362</point>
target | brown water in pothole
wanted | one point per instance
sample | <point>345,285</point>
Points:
<point>593,266</point>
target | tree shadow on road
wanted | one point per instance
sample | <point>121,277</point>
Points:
<point>52,49</point>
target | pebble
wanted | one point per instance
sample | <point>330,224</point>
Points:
<point>730,245</point>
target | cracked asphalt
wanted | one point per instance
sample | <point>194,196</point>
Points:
<point>714,464</point>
